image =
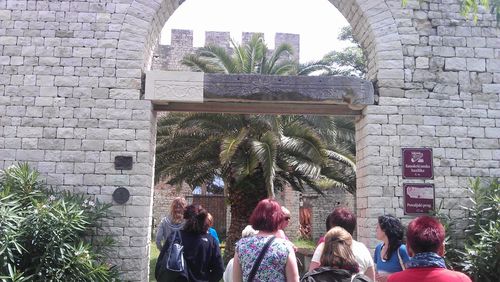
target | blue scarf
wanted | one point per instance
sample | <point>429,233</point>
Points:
<point>426,260</point>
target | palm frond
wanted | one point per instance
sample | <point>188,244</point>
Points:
<point>230,145</point>
<point>280,53</point>
<point>265,151</point>
<point>197,63</point>
<point>219,57</point>
<point>346,160</point>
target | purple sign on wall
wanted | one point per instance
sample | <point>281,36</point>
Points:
<point>417,163</point>
<point>419,198</point>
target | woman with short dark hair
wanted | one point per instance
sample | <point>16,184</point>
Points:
<point>390,255</point>
<point>201,251</point>
<point>278,262</point>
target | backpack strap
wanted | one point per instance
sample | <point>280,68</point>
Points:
<point>177,236</point>
<point>259,259</point>
<point>401,263</point>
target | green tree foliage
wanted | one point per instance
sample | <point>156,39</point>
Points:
<point>478,254</point>
<point>481,255</point>
<point>472,7</point>
<point>43,233</point>
<point>349,62</point>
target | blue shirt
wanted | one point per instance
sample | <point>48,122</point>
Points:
<point>214,234</point>
<point>393,264</point>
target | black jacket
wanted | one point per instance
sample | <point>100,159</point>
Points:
<point>330,274</point>
<point>202,255</point>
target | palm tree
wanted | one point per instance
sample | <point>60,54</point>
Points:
<point>254,154</point>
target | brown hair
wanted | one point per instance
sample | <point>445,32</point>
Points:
<point>337,251</point>
<point>196,219</point>
<point>177,217</point>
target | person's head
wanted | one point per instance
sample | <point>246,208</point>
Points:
<point>177,209</point>
<point>341,217</point>
<point>248,232</point>
<point>390,229</point>
<point>425,234</point>
<point>210,220</point>
<point>337,251</point>
<point>196,219</point>
<point>286,217</point>
<point>267,216</point>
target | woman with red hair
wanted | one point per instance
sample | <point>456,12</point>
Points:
<point>278,262</point>
<point>425,242</point>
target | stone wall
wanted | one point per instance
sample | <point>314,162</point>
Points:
<point>71,80</point>
<point>449,102</point>
<point>322,205</point>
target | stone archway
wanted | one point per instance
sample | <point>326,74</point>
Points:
<point>72,105</point>
<point>374,27</point>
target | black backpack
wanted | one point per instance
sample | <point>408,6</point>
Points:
<point>172,266</point>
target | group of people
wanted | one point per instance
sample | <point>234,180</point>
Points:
<point>264,253</point>
<point>200,241</point>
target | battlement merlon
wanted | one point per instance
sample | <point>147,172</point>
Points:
<point>184,38</point>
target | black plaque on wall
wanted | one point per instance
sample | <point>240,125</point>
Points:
<point>123,162</point>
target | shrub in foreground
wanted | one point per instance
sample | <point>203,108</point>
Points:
<point>44,235</point>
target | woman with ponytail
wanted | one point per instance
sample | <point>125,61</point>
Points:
<point>201,251</point>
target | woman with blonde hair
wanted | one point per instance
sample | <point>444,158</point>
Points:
<point>172,222</point>
<point>338,263</point>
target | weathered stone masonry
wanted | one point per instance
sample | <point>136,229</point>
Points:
<point>71,78</point>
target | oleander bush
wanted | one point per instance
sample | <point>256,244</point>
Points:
<point>478,254</point>
<point>480,257</point>
<point>45,235</point>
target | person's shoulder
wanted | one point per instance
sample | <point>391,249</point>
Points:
<point>163,221</point>
<point>208,238</point>
<point>403,252</point>
<point>456,276</point>
<point>282,242</point>
<point>359,246</point>
<point>397,276</point>
<point>245,241</point>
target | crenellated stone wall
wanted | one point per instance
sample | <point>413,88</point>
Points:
<point>168,57</point>
<point>71,100</point>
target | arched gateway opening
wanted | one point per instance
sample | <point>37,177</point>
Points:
<point>373,26</point>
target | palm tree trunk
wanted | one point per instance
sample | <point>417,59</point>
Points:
<point>243,197</point>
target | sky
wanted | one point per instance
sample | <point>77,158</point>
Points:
<point>317,21</point>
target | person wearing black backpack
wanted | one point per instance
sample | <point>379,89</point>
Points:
<point>172,222</point>
<point>203,260</point>
<point>338,263</point>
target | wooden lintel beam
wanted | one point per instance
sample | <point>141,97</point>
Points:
<point>258,108</point>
